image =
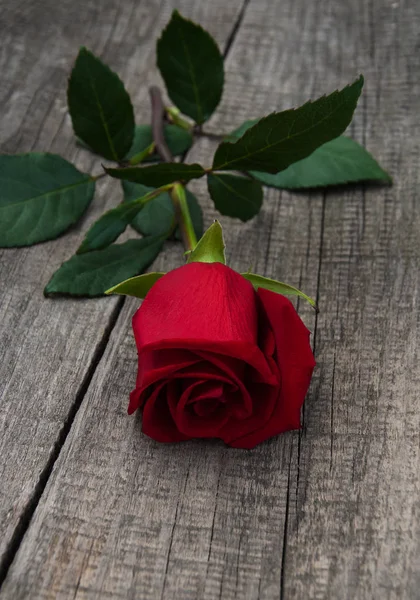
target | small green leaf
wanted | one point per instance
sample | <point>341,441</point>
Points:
<point>112,223</point>
<point>258,281</point>
<point>277,141</point>
<point>211,247</point>
<point>191,66</point>
<point>157,216</point>
<point>108,227</point>
<point>158,175</point>
<point>337,162</point>
<point>179,141</point>
<point>136,286</point>
<point>93,273</point>
<point>237,197</point>
<point>41,196</point>
<point>100,107</point>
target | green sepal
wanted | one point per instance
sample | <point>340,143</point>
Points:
<point>210,248</point>
<point>258,281</point>
<point>136,286</point>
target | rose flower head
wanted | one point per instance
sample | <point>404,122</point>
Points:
<point>218,358</point>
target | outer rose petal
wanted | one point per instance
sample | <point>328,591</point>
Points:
<point>296,363</point>
<point>198,301</point>
<point>198,307</point>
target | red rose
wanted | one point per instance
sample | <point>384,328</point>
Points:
<point>218,359</point>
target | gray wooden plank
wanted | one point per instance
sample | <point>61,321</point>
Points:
<point>49,348</point>
<point>125,517</point>
<point>189,521</point>
<point>354,531</point>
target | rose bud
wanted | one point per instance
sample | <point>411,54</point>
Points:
<point>218,359</point>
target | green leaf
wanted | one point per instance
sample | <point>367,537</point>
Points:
<point>157,216</point>
<point>191,66</point>
<point>100,107</point>
<point>93,273</point>
<point>179,141</point>
<point>277,141</point>
<point>234,135</point>
<point>340,161</point>
<point>211,247</point>
<point>136,286</point>
<point>41,196</point>
<point>111,224</point>
<point>234,196</point>
<point>158,175</point>
<point>258,281</point>
<point>108,227</point>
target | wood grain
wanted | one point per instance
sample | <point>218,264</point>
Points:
<point>354,530</point>
<point>49,348</point>
<point>153,541</point>
<point>332,512</point>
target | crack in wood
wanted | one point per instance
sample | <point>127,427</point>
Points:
<point>28,512</point>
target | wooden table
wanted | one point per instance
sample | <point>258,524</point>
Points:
<point>92,509</point>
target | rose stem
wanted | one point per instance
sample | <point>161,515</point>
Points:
<point>183,216</point>
<point>178,192</point>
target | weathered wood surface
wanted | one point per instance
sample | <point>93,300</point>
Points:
<point>48,348</point>
<point>332,512</point>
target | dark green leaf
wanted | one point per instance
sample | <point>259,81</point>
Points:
<point>111,224</point>
<point>211,247</point>
<point>191,66</point>
<point>136,286</point>
<point>157,216</point>
<point>234,135</point>
<point>234,196</point>
<point>41,195</point>
<point>258,281</point>
<point>93,273</point>
<point>179,140</point>
<point>100,107</point>
<point>158,175</point>
<point>107,228</point>
<point>277,141</point>
<point>340,161</point>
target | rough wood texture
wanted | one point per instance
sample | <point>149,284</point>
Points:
<point>50,348</point>
<point>332,512</point>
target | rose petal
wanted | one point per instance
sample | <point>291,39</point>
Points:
<point>157,419</point>
<point>156,366</point>
<point>235,370</point>
<point>205,302</point>
<point>197,426</point>
<point>207,390</point>
<point>248,353</point>
<point>296,363</point>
